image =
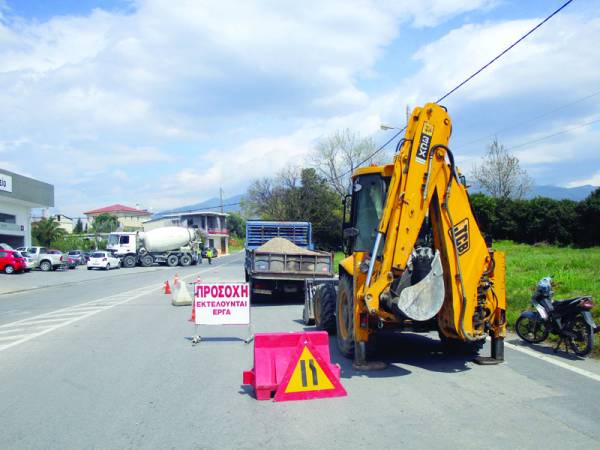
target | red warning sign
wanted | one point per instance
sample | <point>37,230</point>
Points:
<point>308,376</point>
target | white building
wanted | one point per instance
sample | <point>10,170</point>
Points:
<point>18,195</point>
<point>212,223</point>
<point>130,219</point>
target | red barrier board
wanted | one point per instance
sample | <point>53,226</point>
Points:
<point>294,366</point>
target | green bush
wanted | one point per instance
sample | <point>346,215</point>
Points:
<point>562,222</point>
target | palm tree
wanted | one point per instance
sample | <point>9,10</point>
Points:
<point>104,223</point>
<point>46,231</point>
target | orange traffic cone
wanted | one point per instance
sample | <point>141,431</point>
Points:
<point>175,280</point>
<point>167,287</point>
<point>193,318</point>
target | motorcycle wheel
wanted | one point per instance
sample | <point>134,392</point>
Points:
<point>531,330</point>
<point>583,341</point>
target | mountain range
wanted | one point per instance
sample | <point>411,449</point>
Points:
<point>232,204</point>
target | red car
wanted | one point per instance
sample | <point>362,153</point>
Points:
<point>11,261</point>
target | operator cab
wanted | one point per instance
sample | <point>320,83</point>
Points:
<point>367,200</point>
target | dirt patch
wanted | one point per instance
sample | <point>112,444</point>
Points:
<point>282,245</point>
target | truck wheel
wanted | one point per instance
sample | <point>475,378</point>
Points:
<point>45,266</point>
<point>172,260</point>
<point>345,317</point>
<point>185,260</point>
<point>129,261</point>
<point>147,260</point>
<point>325,308</point>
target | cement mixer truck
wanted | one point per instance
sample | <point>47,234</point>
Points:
<point>167,245</point>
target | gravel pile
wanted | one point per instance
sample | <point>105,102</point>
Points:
<point>282,245</point>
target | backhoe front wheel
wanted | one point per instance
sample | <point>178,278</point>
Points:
<point>324,302</point>
<point>345,317</point>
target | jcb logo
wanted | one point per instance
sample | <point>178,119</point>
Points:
<point>461,233</point>
<point>424,143</point>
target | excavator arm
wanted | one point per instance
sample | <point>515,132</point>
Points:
<point>465,286</point>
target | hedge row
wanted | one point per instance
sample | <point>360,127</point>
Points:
<point>563,222</point>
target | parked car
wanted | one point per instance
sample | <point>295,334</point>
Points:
<point>11,261</point>
<point>43,259</point>
<point>29,262</point>
<point>71,262</point>
<point>103,260</point>
<point>79,256</point>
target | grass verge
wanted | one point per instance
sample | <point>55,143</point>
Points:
<point>236,244</point>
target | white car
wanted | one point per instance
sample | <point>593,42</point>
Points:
<point>29,262</point>
<point>103,260</point>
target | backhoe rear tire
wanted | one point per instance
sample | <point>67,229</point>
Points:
<point>325,298</point>
<point>345,317</point>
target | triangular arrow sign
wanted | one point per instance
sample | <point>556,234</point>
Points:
<point>308,376</point>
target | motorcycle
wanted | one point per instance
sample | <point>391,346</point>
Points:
<point>570,319</point>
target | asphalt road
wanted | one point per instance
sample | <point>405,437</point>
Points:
<point>114,368</point>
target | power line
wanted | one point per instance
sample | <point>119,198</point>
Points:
<point>473,75</point>
<point>554,134</point>
<point>533,119</point>
<point>506,50</point>
<point>371,155</point>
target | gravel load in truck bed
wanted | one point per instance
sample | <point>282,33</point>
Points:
<point>282,245</point>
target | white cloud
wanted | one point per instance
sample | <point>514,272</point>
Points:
<point>190,96</point>
<point>594,180</point>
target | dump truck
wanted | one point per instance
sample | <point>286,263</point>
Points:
<point>167,245</point>
<point>416,259</point>
<point>280,258</point>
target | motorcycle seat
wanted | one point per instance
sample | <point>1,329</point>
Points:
<point>567,302</point>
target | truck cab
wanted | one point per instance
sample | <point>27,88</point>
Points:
<point>122,243</point>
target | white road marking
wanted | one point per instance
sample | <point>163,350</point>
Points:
<point>556,362</point>
<point>24,330</point>
<point>11,338</point>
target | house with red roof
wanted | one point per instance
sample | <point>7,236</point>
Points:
<point>129,218</point>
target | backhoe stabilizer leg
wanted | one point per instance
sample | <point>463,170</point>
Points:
<point>497,353</point>
<point>360,359</point>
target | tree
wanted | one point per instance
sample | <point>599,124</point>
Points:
<point>46,231</point>
<point>105,223</point>
<point>298,194</point>
<point>501,175</point>
<point>78,229</point>
<point>236,225</point>
<point>588,218</point>
<point>337,156</point>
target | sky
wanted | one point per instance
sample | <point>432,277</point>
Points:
<point>159,103</point>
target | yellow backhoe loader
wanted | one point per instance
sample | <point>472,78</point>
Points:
<point>416,258</point>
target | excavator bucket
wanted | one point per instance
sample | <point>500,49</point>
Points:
<point>423,300</point>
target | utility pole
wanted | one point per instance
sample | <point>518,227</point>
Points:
<point>221,196</point>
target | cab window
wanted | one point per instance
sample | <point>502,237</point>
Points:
<point>367,204</point>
